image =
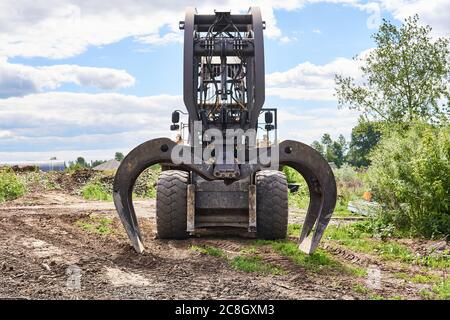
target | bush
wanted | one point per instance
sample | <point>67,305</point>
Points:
<point>410,177</point>
<point>349,186</point>
<point>11,187</point>
<point>299,199</point>
<point>145,186</point>
<point>349,183</point>
<point>96,190</point>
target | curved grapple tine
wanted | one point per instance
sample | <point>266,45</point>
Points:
<point>148,153</point>
<point>322,189</point>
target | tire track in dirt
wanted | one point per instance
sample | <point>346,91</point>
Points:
<point>171,270</point>
<point>168,269</point>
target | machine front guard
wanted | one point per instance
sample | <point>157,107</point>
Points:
<point>307,161</point>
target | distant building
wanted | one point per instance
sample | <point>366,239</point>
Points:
<point>46,166</point>
<point>108,165</point>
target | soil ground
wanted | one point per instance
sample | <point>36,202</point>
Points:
<point>42,243</point>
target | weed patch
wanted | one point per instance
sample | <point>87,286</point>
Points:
<point>439,291</point>
<point>95,190</point>
<point>209,250</point>
<point>355,237</point>
<point>96,224</point>
<point>11,187</point>
<point>255,264</point>
<point>319,261</point>
<point>249,261</point>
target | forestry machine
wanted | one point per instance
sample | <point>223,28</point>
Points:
<point>223,176</point>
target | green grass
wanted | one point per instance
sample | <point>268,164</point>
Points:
<point>94,190</point>
<point>151,192</point>
<point>359,288</point>
<point>396,298</point>
<point>358,271</point>
<point>371,295</point>
<point>11,186</point>
<point>353,237</point>
<point>247,262</point>
<point>418,278</point>
<point>436,261</point>
<point>440,291</point>
<point>342,211</point>
<point>298,199</point>
<point>319,261</point>
<point>96,224</point>
<point>294,229</point>
<point>358,241</point>
<point>209,250</point>
<point>429,278</point>
<point>255,264</point>
<point>250,250</point>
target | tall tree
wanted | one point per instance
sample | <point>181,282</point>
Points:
<point>81,162</point>
<point>333,151</point>
<point>341,140</point>
<point>404,78</point>
<point>365,136</point>
<point>318,146</point>
<point>119,156</point>
<point>326,139</point>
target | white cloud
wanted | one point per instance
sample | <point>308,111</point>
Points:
<point>323,120</point>
<point>18,79</point>
<point>156,39</point>
<point>288,115</point>
<point>67,125</point>
<point>66,28</point>
<point>64,155</point>
<point>317,31</point>
<point>286,39</point>
<point>308,81</point>
<point>436,13</point>
<point>71,121</point>
<point>5,134</point>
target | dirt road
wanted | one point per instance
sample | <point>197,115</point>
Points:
<point>46,253</point>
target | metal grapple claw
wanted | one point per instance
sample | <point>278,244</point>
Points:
<point>143,156</point>
<point>322,189</point>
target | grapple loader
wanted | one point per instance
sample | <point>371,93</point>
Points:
<point>224,176</point>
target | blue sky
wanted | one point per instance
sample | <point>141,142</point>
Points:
<point>93,77</point>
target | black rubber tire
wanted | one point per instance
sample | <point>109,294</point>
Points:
<point>271,204</point>
<point>171,204</point>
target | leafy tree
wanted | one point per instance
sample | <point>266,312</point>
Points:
<point>341,140</point>
<point>81,162</point>
<point>119,156</point>
<point>404,78</point>
<point>326,139</point>
<point>318,146</point>
<point>365,136</point>
<point>333,151</point>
